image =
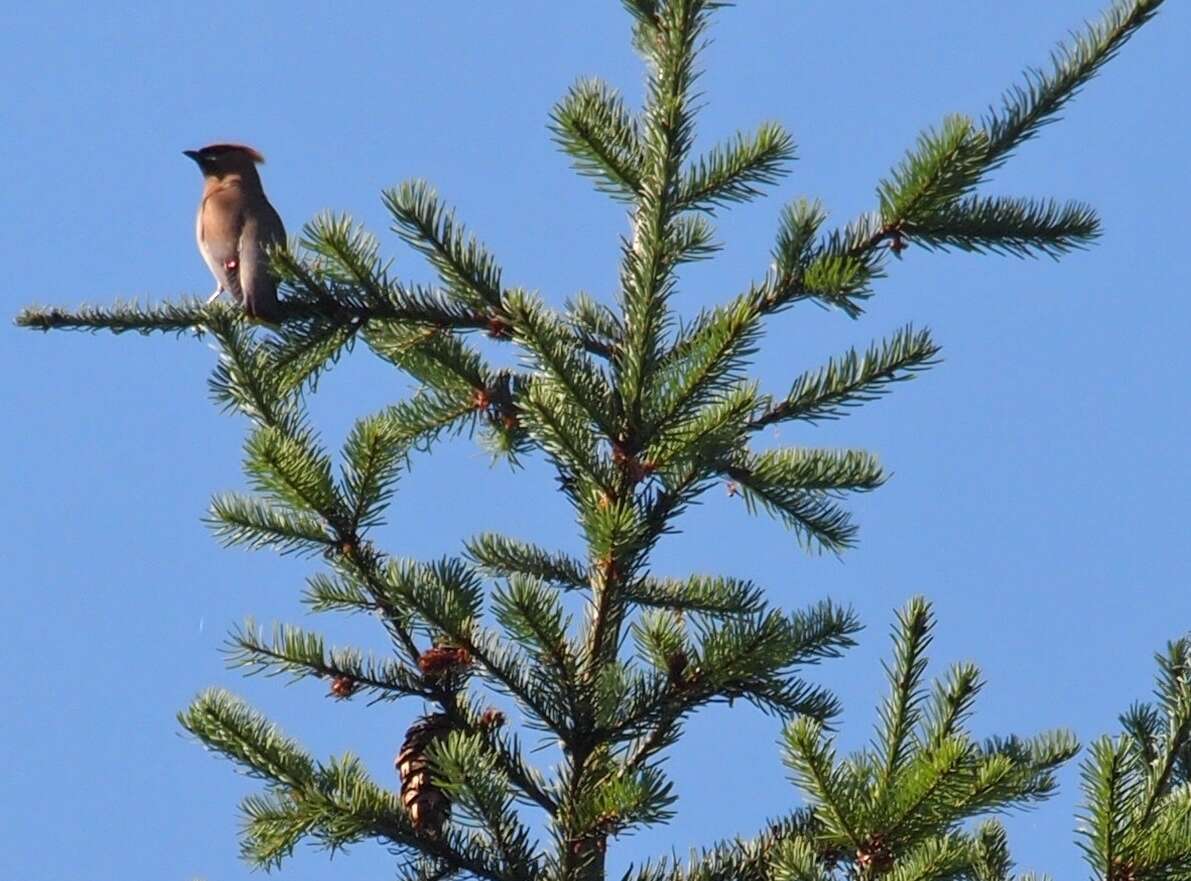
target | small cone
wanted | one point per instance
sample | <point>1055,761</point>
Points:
<point>441,660</point>
<point>343,687</point>
<point>427,805</point>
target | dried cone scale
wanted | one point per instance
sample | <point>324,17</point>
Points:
<point>427,805</point>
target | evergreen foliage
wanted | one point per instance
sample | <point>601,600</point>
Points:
<point>639,413</point>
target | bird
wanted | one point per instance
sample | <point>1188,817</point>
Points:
<point>235,226</point>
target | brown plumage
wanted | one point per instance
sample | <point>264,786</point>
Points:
<point>235,225</point>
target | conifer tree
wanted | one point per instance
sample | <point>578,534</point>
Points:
<point>639,411</point>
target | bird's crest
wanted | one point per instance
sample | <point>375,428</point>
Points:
<point>213,151</point>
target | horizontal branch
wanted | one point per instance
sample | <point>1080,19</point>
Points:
<point>300,654</point>
<point>194,314</point>
<point>191,315</point>
<point>1002,225</point>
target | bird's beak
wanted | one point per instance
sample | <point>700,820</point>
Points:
<point>192,154</point>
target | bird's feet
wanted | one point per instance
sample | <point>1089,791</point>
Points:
<point>215,296</point>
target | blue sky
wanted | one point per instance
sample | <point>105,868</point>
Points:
<point>1040,473</point>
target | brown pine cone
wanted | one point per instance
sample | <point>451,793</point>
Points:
<point>441,660</point>
<point>343,687</point>
<point>427,805</point>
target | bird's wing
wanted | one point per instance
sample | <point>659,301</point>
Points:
<point>220,225</point>
<point>261,230</point>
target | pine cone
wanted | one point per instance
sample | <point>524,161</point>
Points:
<point>427,805</point>
<point>343,687</point>
<point>492,718</point>
<point>442,660</point>
<point>874,856</point>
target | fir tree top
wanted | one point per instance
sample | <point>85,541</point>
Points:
<point>639,410</point>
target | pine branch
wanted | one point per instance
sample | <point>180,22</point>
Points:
<point>348,258</point>
<point>744,656</point>
<point>991,860</point>
<point>751,658</point>
<point>934,790</point>
<point>507,670</point>
<point>1002,225</point>
<point>338,593</point>
<point>532,615</point>
<point>244,378</point>
<point>1025,109</point>
<point>285,461</point>
<point>794,485</point>
<point>503,557</point>
<point>350,285</point>
<point>836,270</point>
<point>1144,724</point>
<point>738,859</point>
<point>440,360</point>
<point>595,325</point>
<point>426,417</point>
<point>737,172</point>
<point>811,758</point>
<point>797,234</point>
<point>951,703</point>
<point>1174,692</point>
<point>552,419</point>
<point>253,523</point>
<point>229,726</point>
<point>465,266</point>
<point>944,858</point>
<point>714,359</point>
<point>362,585</point>
<point>706,595</point>
<point>854,379</point>
<point>304,350</point>
<point>685,452</point>
<point>897,808</point>
<point>1109,789</point>
<point>689,239</point>
<point>803,470</point>
<point>559,358</point>
<point>667,132</point>
<point>1022,769</point>
<point>796,859</point>
<point>290,468</point>
<point>946,164</point>
<point>661,639</point>
<point>344,251</point>
<point>193,315</point>
<point>1167,852</point>
<point>341,805</point>
<point>901,710</point>
<point>596,130</point>
<point>448,597</point>
<point>373,453</point>
<point>627,799</point>
<point>447,594</point>
<point>300,654</point>
<point>426,869</point>
<point>187,316</point>
<point>506,751</point>
<point>477,786</point>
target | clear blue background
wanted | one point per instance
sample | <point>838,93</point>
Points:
<point>1040,474</point>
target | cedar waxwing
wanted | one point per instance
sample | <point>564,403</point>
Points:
<point>235,225</point>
